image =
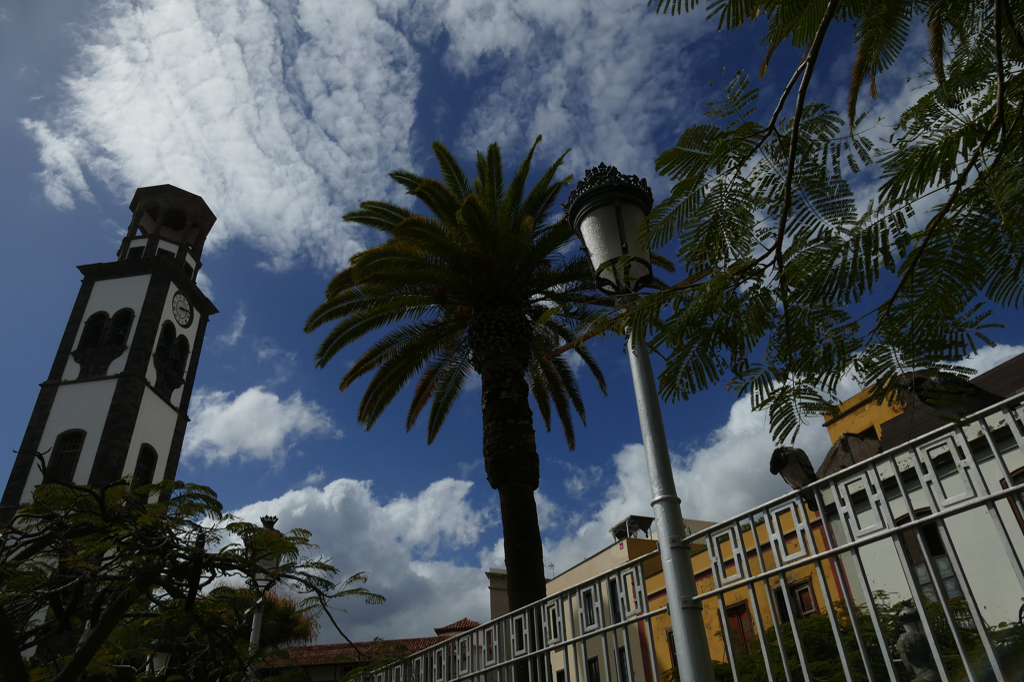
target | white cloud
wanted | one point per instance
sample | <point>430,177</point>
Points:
<point>723,478</point>
<point>204,284</point>
<point>256,424</point>
<point>580,480</point>
<point>405,543</point>
<point>283,115</point>
<point>62,176</point>
<point>281,361</point>
<point>726,476</point>
<point>237,325</point>
<point>394,541</point>
<point>466,468</point>
<point>280,115</point>
<point>591,76</point>
<point>314,477</point>
<point>988,357</point>
<point>547,511</point>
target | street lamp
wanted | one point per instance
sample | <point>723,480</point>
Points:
<point>606,210</point>
<point>268,563</point>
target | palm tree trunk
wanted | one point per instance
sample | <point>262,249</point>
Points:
<point>510,450</point>
<point>524,553</point>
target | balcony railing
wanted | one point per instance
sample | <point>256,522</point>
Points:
<point>788,594</point>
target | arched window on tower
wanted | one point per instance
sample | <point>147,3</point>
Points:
<point>165,345</point>
<point>64,456</point>
<point>93,331</point>
<point>145,466</point>
<point>179,359</point>
<point>170,359</point>
<point>120,326</point>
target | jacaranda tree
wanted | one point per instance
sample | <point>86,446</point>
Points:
<point>482,284</point>
<point>121,582</point>
<point>792,282</point>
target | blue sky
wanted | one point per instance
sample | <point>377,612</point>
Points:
<point>284,114</point>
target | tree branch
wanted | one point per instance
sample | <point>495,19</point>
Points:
<point>809,62</point>
<point>689,281</point>
<point>933,224</point>
<point>10,657</point>
<point>94,638</point>
<point>997,29</point>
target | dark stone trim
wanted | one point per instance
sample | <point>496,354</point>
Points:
<point>151,245</point>
<point>119,427</point>
<point>71,331</point>
<point>25,458</point>
<point>152,266</point>
<point>174,454</point>
<point>94,362</point>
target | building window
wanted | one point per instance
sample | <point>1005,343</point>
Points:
<point>170,360</point>
<point>64,457</point>
<point>166,343</point>
<point>103,339</point>
<point>593,670</point>
<point>741,628</point>
<point>120,326</point>
<point>175,219</point>
<point>935,548</point>
<point>145,466</point>
<point>613,600</point>
<point>92,334</point>
<point>801,596</point>
<point>803,600</point>
<point>919,546</point>
<point>136,252</point>
<point>179,358</point>
<point>588,608</point>
<point>623,665</point>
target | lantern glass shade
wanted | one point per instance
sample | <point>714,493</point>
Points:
<point>159,661</point>
<point>606,210</point>
<point>619,264</point>
<point>267,565</point>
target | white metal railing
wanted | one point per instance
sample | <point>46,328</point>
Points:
<point>788,594</point>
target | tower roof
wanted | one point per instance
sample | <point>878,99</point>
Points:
<point>172,216</point>
<point>192,204</point>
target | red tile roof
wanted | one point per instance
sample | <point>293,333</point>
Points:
<point>457,626</point>
<point>341,653</point>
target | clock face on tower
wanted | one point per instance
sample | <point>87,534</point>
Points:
<point>182,309</point>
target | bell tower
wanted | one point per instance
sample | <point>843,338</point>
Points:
<point>116,400</point>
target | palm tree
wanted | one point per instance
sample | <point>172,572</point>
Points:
<point>486,283</point>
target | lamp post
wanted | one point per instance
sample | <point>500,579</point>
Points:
<point>606,210</point>
<point>267,563</point>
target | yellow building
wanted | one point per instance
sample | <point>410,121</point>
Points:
<point>798,591</point>
<point>862,415</point>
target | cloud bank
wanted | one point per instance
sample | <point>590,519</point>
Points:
<point>397,542</point>
<point>255,424</point>
<point>285,114</point>
<point>406,543</point>
<point>278,114</point>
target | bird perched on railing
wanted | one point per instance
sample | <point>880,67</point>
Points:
<point>796,470</point>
